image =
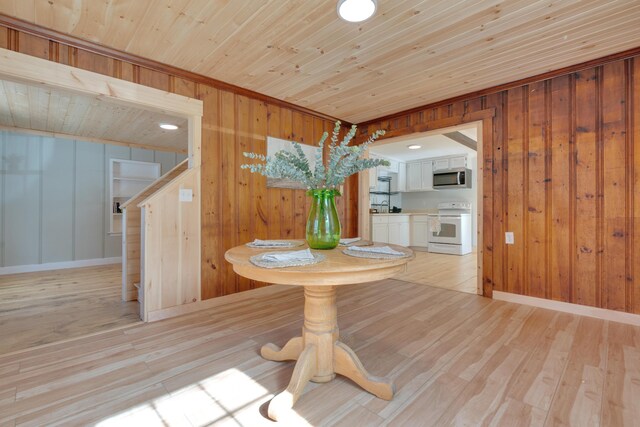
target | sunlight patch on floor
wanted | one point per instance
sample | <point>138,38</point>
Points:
<point>217,399</point>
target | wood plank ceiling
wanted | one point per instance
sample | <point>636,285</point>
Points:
<point>412,53</point>
<point>62,113</point>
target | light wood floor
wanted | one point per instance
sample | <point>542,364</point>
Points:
<point>455,272</point>
<point>456,359</point>
<point>45,307</point>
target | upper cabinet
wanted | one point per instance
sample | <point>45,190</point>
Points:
<point>427,174</point>
<point>453,162</point>
<point>419,176</point>
<point>440,164</point>
<point>415,175</point>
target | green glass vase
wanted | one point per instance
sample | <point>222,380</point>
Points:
<point>323,224</point>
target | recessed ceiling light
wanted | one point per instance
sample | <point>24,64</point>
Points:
<point>168,126</point>
<point>414,146</point>
<point>356,10</point>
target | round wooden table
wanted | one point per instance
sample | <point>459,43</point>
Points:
<point>319,353</point>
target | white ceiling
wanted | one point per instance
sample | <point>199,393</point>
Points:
<point>431,146</point>
<point>411,53</point>
<point>58,112</point>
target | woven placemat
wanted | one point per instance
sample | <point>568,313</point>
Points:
<point>260,262</point>
<point>290,244</point>
<point>373,255</point>
<point>358,243</point>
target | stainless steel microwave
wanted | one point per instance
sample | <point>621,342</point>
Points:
<point>456,178</point>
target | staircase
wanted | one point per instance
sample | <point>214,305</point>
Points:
<point>133,249</point>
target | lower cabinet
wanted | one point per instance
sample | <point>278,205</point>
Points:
<point>394,229</point>
<point>380,232</point>
<point>420,230</point>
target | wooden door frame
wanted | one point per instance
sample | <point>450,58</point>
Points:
<point>30,70</point>
<point>485,119</point>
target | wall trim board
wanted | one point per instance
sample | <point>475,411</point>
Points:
<point>78,43</point>
<point>23,68</point>
<point>565,307</point>
<point>625,54</point>
<point>88,139</point>
<point>17,269</point>
<point>433,125</point>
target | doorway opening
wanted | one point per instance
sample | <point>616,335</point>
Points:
<point>443,215</point>
<point>61,270</point>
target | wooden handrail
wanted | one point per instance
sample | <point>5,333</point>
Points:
<point>157,184</point>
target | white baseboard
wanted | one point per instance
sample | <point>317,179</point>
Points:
<point>582,310</point>
<point>15,269</point>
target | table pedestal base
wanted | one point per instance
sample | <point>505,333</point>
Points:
<point>319,354</point>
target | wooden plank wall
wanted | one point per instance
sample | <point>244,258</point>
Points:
<point>236,205</point>
<point>564,163</point>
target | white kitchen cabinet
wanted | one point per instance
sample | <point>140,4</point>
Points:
<point>414,176</point>
<point>402,177</point>
<point>458,162</point>
<point>399,233</point>
<point>380,232</point>
<point>379,228</point>
<point>440,164</point>
<point>427,175</point>
<point>420,230</point>
<point>419,176</point>
<point>394,229</point>
<point>451,162</point>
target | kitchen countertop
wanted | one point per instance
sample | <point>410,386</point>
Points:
<point>404,213</point>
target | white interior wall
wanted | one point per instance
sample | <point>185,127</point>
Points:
<point>54,198</point>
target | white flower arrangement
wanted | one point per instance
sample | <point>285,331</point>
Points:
<point>344,161</point>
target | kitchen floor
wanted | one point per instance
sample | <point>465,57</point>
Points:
<point>455,272</point>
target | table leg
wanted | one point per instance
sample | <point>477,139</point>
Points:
<point>347,364</point>
<point>319,354</point>
<point>290,351</point>
<point>302,373</point>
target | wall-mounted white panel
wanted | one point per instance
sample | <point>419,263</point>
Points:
<point>90,200</point>
<point>58,174</point>
<point>141,155</point>
<point>54,198</point>
<point>21,163</point>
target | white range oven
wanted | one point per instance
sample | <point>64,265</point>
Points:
<point>450,229</point>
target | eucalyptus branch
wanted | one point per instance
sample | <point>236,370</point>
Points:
<point>344,161</point>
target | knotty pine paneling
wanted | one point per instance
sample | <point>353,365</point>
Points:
<point>236,205</point>
<point>563,174</point>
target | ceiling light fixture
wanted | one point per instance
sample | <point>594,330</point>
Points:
<point>168,126</point>
<point>414,146</point>
<point>356,10</point>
